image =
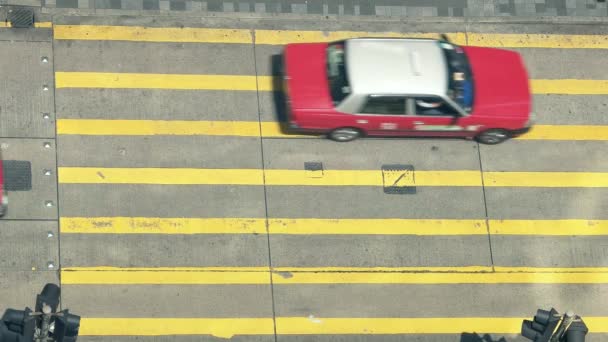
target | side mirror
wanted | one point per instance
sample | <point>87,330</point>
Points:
<point>444,37</point>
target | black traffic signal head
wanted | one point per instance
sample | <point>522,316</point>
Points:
<point>50,295</point>
<point>543,326</point>
<point>66,327</point>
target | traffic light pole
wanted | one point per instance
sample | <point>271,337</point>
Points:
<point>44,325</point>
<point>550,326</point>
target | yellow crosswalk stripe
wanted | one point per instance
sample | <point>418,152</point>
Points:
<point>42,24</point>
<point>218,327</point>
<point>109,80</point>
<point>153,34</point>
<point>280,37</point>
<point>230,327</point>
<point>273,129</point>
<point>570,87</point>
<point>332,275</point>
<point>316,226</point>
<point>274,177</point>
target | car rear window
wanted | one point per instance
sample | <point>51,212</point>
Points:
<point>337,77</point>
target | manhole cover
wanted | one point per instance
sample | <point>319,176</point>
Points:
<point>398,179</point>
<point>21,17</point>
<point>17,175</point>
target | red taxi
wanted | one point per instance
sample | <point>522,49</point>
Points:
<point>405,87</point>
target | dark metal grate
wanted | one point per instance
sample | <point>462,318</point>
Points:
<point>314,169</point>
<point>17,175</point>
<point>21,18</point>
<point>398,179</point>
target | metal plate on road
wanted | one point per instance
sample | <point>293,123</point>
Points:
<point>17,175</point>
<point>313,169</point>
<point>398,179</point>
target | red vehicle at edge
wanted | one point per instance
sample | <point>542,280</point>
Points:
<point>405,87</point>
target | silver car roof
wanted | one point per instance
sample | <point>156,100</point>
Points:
<point>396,66</point>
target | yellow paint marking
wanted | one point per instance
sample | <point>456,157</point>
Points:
<point>370,178</point>
<point>161,81</point>
<point>547,179</point>
<point>92,175</point>
<point>280,37</point>
<point>164,275</point>
<point>304,226</point>
<point>42,24</point>
<point>315,226</point>
<point>436,325</point>
<point>174,176</point>
<point>570,87</point>
<point>566,132</point>
<point>229,327</point>
<point>263,83</point>
<point>157,225</point>
<point>437,278</point>
<point>549,227</point>
<point>219,327</point>
<point>153,34</point>
<point>157,127</point>
<point>333,275</point>
<point>272,129</point>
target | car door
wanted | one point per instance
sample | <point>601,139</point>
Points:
<point>434,116</point>
<point>383,115</point>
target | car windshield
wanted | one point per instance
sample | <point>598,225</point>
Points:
<point>339,87</point>
<point>460,77</point>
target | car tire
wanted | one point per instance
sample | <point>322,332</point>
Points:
<point>493,136</point>
<point>344,134</point>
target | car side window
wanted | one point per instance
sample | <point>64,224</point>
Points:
<point>433,106</point>
<point>380,104</point>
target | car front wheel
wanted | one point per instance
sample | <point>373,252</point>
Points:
<point>344,134</point>
<point>493,136</point>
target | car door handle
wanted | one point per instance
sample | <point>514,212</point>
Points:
<point>418,123</point>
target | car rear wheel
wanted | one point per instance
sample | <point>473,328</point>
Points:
<point>493,136</point>
<point>344,134</point>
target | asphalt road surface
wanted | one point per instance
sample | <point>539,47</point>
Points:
<point>166,200</point>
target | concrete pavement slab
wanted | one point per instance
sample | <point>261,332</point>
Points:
<point>455,300</point>
<point>362,202</point>
<point>547,203</point>
<point>371,154</point>
<point>549,251</point>
<point>161,201</point>
<point>176,338</point>
<point>163,250</point>
<point>160,151</point>
<point>18,289</point>
<point>159,58</point>
<point>23,98</point>
<point>379,251</point>
<point>30,35</point>
<point>180,301</point>
<point>522,155</point>
<point>553,26</point>
<point>39,203</point>
<point>571,110</point>
<point>28,245</point>
<point>465,336</point>
<point>157,104</point>
<point>565,63</point>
